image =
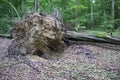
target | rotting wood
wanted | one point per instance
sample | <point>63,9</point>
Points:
<point>90,38</point>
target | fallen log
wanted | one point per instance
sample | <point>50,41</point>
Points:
<point>5,36</point>
<point>72,35</point>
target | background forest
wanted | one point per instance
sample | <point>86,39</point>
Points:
<point>90,53</point>
<point>83,15</point>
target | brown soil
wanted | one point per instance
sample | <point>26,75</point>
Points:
<point>81,61</point>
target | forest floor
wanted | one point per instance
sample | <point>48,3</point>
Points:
<point>81,61</point>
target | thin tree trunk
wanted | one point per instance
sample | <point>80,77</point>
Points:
<point>22,9</point>
<point>77,24</point>
<point>91,8</point>
<point>112,12</point>
<point>103,7</point>
<point>63,8</point>
<point>103,12</point>
<point>36,5</point>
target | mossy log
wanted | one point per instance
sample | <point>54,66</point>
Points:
<point>5,36</point>
<point>77,36</point>
<point>72,35</point>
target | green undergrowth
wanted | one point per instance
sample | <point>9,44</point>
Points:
<point>101,33</point>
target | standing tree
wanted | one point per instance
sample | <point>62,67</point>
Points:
<point>112,12</point>
<point>22,9</point>
<point>91,8</point>
<point>77,24</point>
<point>63,8</point>
<point>36,5</point>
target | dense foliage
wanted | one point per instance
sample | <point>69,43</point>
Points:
<point>84,14</point>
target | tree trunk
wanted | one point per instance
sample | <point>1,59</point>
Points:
<point>36,5</point>
<point>22,9</point>
<point>91,38</point>
<point>63,8</point>
<point>91,8</point>
<point>112,12</point>
<point>77,23</point>
<point>72,35</point>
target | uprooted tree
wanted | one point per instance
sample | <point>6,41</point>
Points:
<point>44,36</point>
<point>38,34</point>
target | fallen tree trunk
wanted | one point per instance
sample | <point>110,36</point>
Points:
<point>72,35</point>
<point>5,36</point>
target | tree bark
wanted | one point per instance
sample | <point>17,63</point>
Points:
<point>5,36</point>
<point>22,9</point>
<point>112,12</point>
<point>91,8</point>
<point>71,35</point>
<point>36,5</point>
<point>77,13</point>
